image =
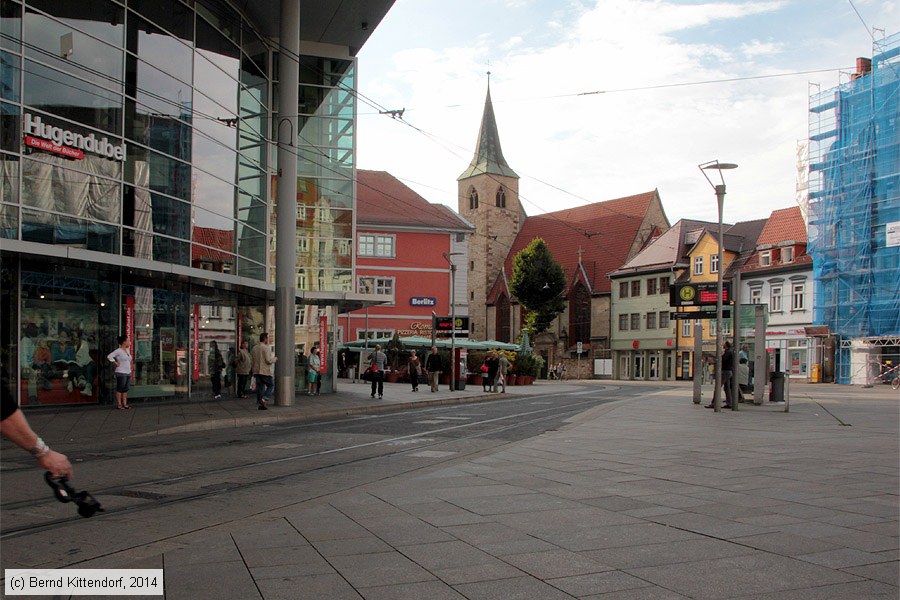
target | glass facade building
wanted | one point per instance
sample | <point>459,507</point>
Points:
<point>137,185</point>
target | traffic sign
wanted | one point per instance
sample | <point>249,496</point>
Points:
<point>698,314</point>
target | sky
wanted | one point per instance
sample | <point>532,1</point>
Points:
<point>652,125</point>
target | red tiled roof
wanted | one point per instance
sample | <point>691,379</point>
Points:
<point>216,238</point>
<point>382,199</point>
<point>605,231</point>
<point>784,225</point>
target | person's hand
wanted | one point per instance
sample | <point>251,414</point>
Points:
<point>58,464</point>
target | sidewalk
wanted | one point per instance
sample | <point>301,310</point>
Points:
<point>650,498</point>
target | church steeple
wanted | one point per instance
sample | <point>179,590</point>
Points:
<point>488,157</point>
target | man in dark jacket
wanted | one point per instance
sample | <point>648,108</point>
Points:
<point>434,366</point>
<point>727,372</point>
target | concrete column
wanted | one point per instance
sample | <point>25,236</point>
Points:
<point>760,368</point>
<point>286,211</point>
<point>698,362</point>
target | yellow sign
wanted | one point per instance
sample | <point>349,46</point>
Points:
<point>687,293</point>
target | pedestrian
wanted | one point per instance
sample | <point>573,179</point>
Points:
<point>121,357</point>
<point>502,371</point>
<point>493,368</point>
<point>230,364</point>
<point>313,365</point>
<point>14,427</point>
<point>242,363</point>
<point>727,374</point>
<point>262,362</point>
<point>433,367</point>
<point>485,369</point>
<point>215,363</point>
<point>414,368</point>
<point>378,361</point>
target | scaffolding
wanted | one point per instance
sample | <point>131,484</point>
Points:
<point>854,207</point>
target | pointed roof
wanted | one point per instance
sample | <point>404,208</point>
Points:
<point>488,154</point>
<point>784,225</point>
<point>664,252</point>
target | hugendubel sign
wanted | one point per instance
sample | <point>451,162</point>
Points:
<point>67,143</point>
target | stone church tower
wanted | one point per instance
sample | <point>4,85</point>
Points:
<point>489,199</point>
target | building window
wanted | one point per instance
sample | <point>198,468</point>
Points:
<point>713,263</point>
<point>473,199</point>
<point>379,246</point>
<point>755,295</point>
<point>765,258</point>
<point>623,322</point>
<point>686,328</point>
<point>726,327</point>
<point>787,254</point>
<point>798,296</point>
<point>215,312</point>
<point>623,289</point>
<point>663,319</point>
<point>775,299</point>
<point>651,320</point>
<point>382,286</point>
<point>635,321</point>
<point>501,197</point>
<point>698,265</point>
<point>373,334</point>
<point>300,315</point>
<point>651,286</point>
<point>663,285</point>
<point>636,288</point>
<point>471,265</point>
<point>579,315</point>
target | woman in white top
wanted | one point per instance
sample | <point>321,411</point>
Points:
<point>122,359</point>
<point>312,371</point>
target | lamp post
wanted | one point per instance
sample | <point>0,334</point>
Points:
<point>452,316</point>
<point>720,200</point>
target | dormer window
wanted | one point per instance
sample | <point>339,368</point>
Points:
<point>501,197</point>
<point>787,254</point>
<point>765,258</point>
<point>473,199</point>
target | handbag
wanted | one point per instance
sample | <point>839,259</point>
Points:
<point>484,368</point>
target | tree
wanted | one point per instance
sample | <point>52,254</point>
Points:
<point>538,282</point>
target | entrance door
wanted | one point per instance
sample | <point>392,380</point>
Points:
<point>653,367</point>
<point>624,366</point>
<point>638,366</point>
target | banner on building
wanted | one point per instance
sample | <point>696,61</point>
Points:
<point>129,326</point>
<point>196,348</point>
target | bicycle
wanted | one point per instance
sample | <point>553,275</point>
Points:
<point>889,374</point>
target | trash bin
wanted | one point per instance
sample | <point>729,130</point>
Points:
<point>776,391</point>
<point>816,374</point>
<point>460,381</point>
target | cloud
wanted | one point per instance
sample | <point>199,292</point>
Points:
<point>757,48</point>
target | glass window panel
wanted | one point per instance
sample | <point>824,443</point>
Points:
<point>71,98</point>
<point>335,280</point>
<point>171,15</point>
<point>66,230</point>
<point>157,90</point>
<point>157,131</point>
<point>89,59</point>
<point>49,186</point>
<point>218,49</point>
<point>212,119</point>
<point>255,48</point>
<point>156,47</point>
<point>252,74</point>
<point>334,193</point>
<point>9,178</point>
<point>214,158</point>
<point>251,270</point>
<point>251,243</point>
<point>10,25</point>
<point>10,136</point>
<point>216,85</point>
<point>10,72</point>
<point>226,20</point>
<point>323,222</point>
<point>158,213</point>
<point>100,18</point>
<point>171,250</point>
<point>215,197</point>
<point>159,173</point>
<point>9,221</point>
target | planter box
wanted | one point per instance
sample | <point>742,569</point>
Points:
<point>512,380</point>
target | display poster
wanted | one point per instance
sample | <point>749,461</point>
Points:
<point>196,348</point>
<point>323,344</point>
<point>240,329</point>
<point>143,345</point>
<point>129,326</point>
<point>166,343</point>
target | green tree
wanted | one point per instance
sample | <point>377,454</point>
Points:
<point>538,282</point>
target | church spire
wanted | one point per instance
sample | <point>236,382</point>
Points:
<point>488,154</point>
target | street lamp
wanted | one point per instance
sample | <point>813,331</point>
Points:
<point>720,199</point>
<point>447,256</point>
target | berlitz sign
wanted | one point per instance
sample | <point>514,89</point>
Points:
<point>422,301</point>
<point>67,143</point>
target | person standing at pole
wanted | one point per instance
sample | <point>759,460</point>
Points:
<point>243,362</point>
<point>262,366</point>
<point>313,365</point>
<point>121,357</point>
<point>215,363</point>
<point>434,366</point>
<point>379,361</point>
<point>727,374</point>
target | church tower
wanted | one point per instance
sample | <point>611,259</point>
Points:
<point>489,199</point>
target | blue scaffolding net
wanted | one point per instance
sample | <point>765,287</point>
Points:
<point>854,200</point>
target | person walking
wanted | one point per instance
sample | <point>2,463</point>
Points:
<point>313,364</point>
<point>414,368</point>
<point>262,363</point>
<point>121,357</point>
<point>727,374</point>
<point>378,360</point>
<point>502,371</point>
<point>215,363</point>
<point>433,367</point>
<point>242,364</point>
<point>493,364</point>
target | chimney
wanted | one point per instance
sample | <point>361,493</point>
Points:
<point>863,68</point>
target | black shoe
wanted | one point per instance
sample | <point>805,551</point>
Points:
<point>380,396</point>
<point>726,406</point>
<point>373,395</point>
<point>709,406</point>
<point>262,407</point>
